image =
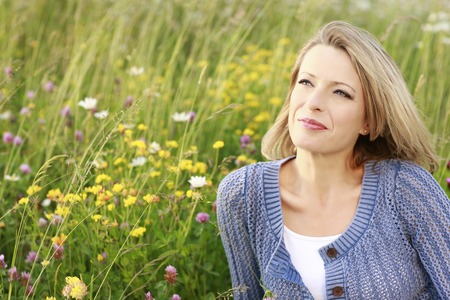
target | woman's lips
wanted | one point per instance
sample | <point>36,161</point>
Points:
<point>312,124</point>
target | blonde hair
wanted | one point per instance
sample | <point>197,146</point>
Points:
<point>395,128</point>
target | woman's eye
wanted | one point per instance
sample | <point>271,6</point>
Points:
<point>343,94</point>
<point>304,82</point>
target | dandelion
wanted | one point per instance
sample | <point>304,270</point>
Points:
<point>25,169</point>
<point>101,114</point>
<point>202,217</point>
<point>49,86</point>
<point>181,117</point>
<point>17,141</point>
<point>138,161</point>
<point>3,264</point>
<point>31,257</point>
<point>218,144</point>
<point>148,296</point>
<point>138,232</point>
<point>176,297</point>
<point>8,137</point>
<point>171,274</point>
<point>13,274</point>
<point>88,103</point>
<point>198,181</point>
<point>74,288</point>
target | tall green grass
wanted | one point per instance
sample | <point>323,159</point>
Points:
<point>227,61</point>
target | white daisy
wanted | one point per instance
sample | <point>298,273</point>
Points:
<point>88,103</point>
<point>198,181</point>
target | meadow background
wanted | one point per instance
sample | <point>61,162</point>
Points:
<point>119,118</point>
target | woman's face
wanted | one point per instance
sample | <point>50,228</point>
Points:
<point>326,112</point>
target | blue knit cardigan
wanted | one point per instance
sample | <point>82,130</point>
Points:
<point>396,247</point>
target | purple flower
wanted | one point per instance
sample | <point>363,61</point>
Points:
<point>17,141</point>
<point>25,278</point>
<point>79,135</point>
<point>448,182</point>
<point>42,222</point>
<point>57,219</point>
<point>30,290</point>
<point>31,94</point>
<point>65,111</point>
<point>129,101</point>
<point>13,274</point>
<point>49,86</point>
<point>31,257</point>
<point>9,71</point>
<point>202,217</point>
<point>171,274</point>
<point>25,111</point>
<point>148,296</point>
<point>25,169</point>
<point>59,251</point>
<point>245,140</point>
<point>192,115</point>
<point>3,265</point>
<point>176,297</point>
<point>8,137</point>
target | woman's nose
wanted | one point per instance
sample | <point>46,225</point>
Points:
<point>316,100</point>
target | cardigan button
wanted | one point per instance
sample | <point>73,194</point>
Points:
<point>332,252</point>
<point>337,291</point>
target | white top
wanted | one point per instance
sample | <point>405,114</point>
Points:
<point>307,260</point>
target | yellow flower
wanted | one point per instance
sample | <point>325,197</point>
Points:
<point>130,200</point>
<point>142,127</point>
<point>171,144</point>
<point>261,117</point>
<point>54,194</point>
<point>94,189</point>
<point>275,101</point>
<point>96,217</point>
<point>111,206</point>
<point>24,201</point>
<point>151,198</point>
<point>102,178</point>
<point>200,167</point>
<point>186,164</point>
<point>45,263</point>
<point>72,198</point>
<point>119,161</point>
<point>179,194</point>
<point>138,231</point>
<point>117,188</point>
<point>33,189</point>
<point>154,174</point>
<point>248,131</point>
<point>100,257</point>
<point>62,211</point>
<point>164,154</point>
<point>189,194</point>
<point>50,298</point>
<point>218,145</point>
<point>75,288</point>
<point>241,158</point>
<point>59,240</point>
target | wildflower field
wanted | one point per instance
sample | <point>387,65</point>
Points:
<point>119,118</point>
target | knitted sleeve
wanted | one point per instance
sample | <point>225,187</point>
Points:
<point>232,215</point>
<point>425,211</point>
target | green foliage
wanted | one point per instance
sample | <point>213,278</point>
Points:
<point>121,223</point>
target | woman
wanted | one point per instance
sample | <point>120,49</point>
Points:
<point>344,210</point>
